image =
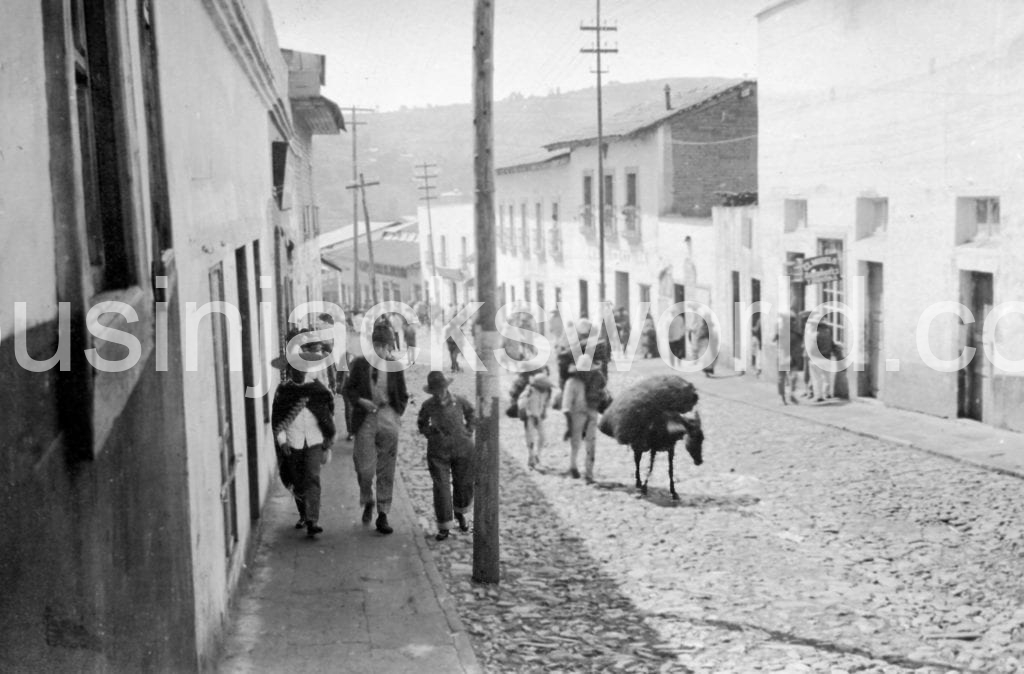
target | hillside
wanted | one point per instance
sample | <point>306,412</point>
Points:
<point>392,143</point>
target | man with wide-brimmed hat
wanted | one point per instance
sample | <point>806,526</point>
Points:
<point>447,421</point>
<point>378,400</point>
<point>303,421</point>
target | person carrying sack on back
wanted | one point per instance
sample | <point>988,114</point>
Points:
<point>447,422</point>
<point>532,392</point>
<point>582,398</point>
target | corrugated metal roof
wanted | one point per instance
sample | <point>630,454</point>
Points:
<point>648,115</point>
<point>533,160</point>
<point>343,234</point>
<point>395,253</point>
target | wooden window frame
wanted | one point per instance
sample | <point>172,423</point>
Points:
<point>100,234</point>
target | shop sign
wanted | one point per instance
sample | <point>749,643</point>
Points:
<point>821,269</point>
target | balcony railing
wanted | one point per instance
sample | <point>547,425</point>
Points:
<point>587,219</point>
<point>610,221</point>
<point>555,243</point>
<point>631,223</point>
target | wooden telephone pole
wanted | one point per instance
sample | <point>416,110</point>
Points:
<point>427,188</point>
<point>355,206</point>
<point>598,50</point>
<point>361,186</point>
<point>488,388</point>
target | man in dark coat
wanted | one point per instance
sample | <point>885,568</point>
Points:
<point>378,400</point>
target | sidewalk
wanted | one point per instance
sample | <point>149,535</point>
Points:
<point>959,439</point>
<point>350,600</point>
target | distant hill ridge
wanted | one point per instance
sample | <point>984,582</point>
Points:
<point>392,143</point>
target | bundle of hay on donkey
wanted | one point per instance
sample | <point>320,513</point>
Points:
<point>651,416</point>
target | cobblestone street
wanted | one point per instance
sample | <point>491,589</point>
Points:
<point>795,547</point>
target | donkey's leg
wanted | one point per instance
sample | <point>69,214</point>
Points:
<point>671,473</point>
<point>637,454</point>
<point>650,469</point>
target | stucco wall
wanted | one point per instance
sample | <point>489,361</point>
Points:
<point>95,567</point>
<point>26,236</point>
<point>219,174</point>
<point>915,102</point>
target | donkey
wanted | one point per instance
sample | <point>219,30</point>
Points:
<point>661,436</point>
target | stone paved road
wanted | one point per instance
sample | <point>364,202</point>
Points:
<point>793,548</point>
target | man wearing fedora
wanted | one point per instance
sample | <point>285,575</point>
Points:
<point>378,400</point>
<point>447,422</point>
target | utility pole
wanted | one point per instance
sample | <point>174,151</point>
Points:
<point>597,49</point>
<point>355,207</point>
<point>426,177</point>
<point>488,387</point>
<point>361,186</point>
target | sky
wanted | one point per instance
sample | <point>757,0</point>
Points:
<point>385,54</point>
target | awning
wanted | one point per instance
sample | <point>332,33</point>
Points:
<point>321,114</point>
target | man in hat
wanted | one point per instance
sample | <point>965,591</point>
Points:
<point>447,422</point>
<point>303,421</point>
<point>581,400</point>
<point>601,355</point>
<point>378,400</point>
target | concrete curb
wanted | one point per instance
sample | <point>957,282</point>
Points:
<point>460,637</point>
<point>867,434</point>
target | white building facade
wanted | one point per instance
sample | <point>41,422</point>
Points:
<point>663,166</point>
<point>890,138</point>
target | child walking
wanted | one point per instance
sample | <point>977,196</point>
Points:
<point>447,422</point>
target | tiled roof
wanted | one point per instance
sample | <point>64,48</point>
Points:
<point>644,116</point>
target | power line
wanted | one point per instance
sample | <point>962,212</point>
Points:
<point>598,28</point>
<point>354,125</point>
<point>426,176</point>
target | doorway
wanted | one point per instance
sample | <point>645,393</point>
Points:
<point>245,309</point>
<point>622,290</point>
<point>874,369</point>
<point>737,320</point>
<point>755,324</point>
<point>976,295</point>
<point>222,376</point>
<point>679,295</point>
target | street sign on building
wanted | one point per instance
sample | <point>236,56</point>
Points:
<point>821,269</point>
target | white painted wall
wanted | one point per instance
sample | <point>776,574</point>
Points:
<point>219,175</point>
<point>27,255</point>
<point>918,102</point>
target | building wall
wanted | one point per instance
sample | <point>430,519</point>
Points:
<point>714,148</point>
<point>113,526</point>
<point>913,102</point>
<point>733,255</point>
<point>658,256</point>
<point>453,219</point>
<point>95,534</point>
<point>220,182</point>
